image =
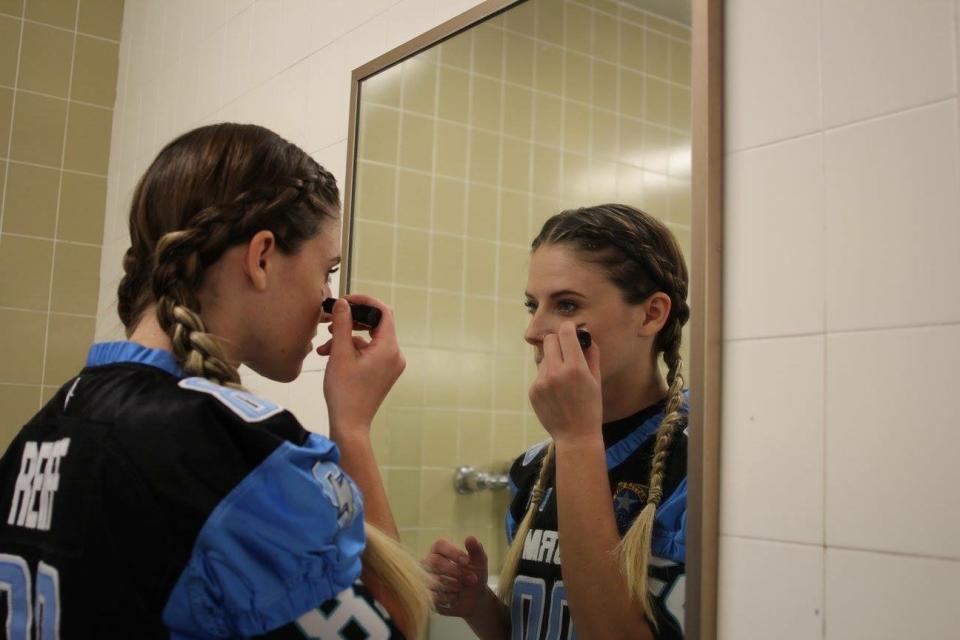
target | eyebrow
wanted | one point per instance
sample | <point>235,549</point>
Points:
<point>335,260</point>
<point>560,294</point>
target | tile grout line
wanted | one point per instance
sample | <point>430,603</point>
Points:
<point>665,178</point>
<point>823,130</point>
<point>466,225</point>
<point>6,173</point>
<point>499,233</point>
<point>56,219</point>
<point>13,110</point>
<point>824,382</point>
<point>56,97</point>
<point>58,313</point>
<point>431,223</point>
<point>913,326</point>
<point>46,166</point>
<point>53,239</point>
<point>842,547</point>
<point>75,31</point>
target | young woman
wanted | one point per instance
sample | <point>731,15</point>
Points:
<point>609,486</point>
<point>153,497</point>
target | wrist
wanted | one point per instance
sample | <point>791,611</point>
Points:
<point>350,437</point>
<point>579,443</point>
<point>486,608</point>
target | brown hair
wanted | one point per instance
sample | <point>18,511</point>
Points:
<point>210,189</point>
<point>640,256</point>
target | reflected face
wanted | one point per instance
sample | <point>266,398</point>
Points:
<point>291,310</point>
<point>562,285</point>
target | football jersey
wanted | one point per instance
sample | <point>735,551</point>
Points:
<point>539,610</point>
<point>142,503</point>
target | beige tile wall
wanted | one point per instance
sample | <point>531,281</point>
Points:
<point>58,73</point>
<point>464,151</point>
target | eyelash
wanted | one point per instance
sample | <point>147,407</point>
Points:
<point>331,272</point>
<point>531,306</point>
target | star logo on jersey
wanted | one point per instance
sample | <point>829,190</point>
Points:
<point>339,490</point>
<point>628,499</point>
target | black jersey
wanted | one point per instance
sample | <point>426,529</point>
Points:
<point>539,610</point>
<point>141,503</point>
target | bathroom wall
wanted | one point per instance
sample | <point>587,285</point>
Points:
<point>464,151</point>
<point>841,321</point>
<point>58,72</point>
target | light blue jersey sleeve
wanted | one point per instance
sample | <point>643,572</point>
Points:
<point>287,538</point>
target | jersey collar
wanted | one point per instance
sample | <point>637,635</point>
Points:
<point>104,353</point>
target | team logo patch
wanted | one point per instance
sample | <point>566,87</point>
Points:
<point>628,499</point>
<point>339,491</point>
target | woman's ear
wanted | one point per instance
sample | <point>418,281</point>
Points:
<point>258,259</point>
<point>655,311</point>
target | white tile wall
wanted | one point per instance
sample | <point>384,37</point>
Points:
<point>848,236</point>
<point>881,56</point>
<point>772,456</point>
<point>873,596</point>
<point>892,199</point>
<point>772,70</point>
<point>769,590</point>
<point>892,440</point>
<point>774,238</point>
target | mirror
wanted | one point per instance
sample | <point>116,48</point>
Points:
<point>463,142</point>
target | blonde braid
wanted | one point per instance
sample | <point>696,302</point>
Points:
<point>511,563</point>
<point>402,574</point>
<point>635,547</point>
<point>175,278</point>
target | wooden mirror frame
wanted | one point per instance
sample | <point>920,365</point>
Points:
<point>703,455</point>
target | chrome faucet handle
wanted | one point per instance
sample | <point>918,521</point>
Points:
<point>467,480</point>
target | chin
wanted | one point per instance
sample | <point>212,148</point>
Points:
<point>279,373</point>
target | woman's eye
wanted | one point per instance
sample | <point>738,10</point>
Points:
<point>530,306</point>
<point>331,272</point>
<point>565,306</point>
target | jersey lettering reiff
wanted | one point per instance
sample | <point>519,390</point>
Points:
<point>540,610</point>
<point>141,503</point>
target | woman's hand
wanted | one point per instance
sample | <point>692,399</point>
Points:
<point>359,373</point>
<point>461,578</point>
<point>566,392</point>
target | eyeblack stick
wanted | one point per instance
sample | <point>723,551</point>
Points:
<point>364,316</point>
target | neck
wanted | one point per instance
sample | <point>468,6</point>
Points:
<point>148,332</point>
<point>628,394</point>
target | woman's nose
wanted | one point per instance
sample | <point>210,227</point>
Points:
<point>535,332</point>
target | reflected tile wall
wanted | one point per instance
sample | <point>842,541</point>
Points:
<point>464,151</point>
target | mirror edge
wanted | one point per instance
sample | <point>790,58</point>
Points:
<point>706,326</point>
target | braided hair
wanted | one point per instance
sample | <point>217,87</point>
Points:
<point>639,255</point>
<point>210,189</point>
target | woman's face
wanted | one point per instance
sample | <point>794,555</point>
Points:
<point>290,309</point>
<point>562,285</point>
